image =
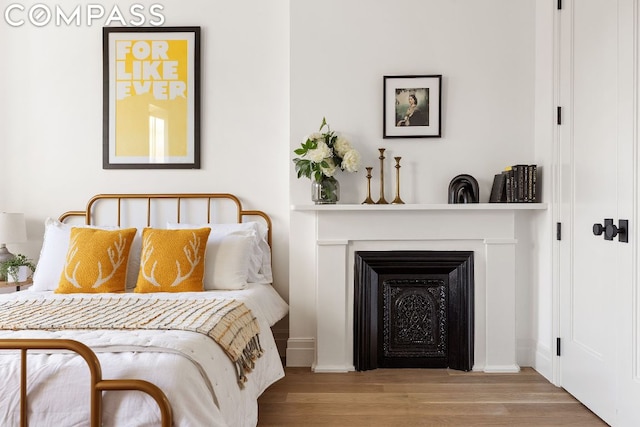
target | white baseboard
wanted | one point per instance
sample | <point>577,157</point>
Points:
<point>501,369</point>
<point>332,369</point>
<point>543,363</point>
<point>301,352</point>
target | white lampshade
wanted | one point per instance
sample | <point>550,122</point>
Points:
<point>13,228</point>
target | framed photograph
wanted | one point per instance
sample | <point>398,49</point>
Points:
<point>412,106</point>
<point>151,98</point>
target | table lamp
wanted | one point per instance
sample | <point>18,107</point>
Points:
<point>13,229</point>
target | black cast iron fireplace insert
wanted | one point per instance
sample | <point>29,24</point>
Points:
<point>413,309</point>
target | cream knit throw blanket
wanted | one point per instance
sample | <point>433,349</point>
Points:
<point>228,322</point>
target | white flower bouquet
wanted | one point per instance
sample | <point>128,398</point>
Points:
<point>322,153</point>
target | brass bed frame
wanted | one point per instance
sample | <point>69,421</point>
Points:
<point>98,384</point>
<point>177,197</point>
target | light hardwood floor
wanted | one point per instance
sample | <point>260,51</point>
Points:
<point>419,397</point>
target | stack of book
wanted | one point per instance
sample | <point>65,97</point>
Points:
<point>516,184</point>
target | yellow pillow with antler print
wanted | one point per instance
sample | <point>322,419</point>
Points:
<point>96,261</point>
<point>172,260</point>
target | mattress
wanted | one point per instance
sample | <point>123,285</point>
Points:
<point>197,376</point>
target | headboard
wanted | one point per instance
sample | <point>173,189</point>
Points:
<point>151,209</point>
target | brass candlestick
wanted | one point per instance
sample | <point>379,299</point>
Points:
<point>368,200</point>
<point>382,200</point>
<point>397,200</point>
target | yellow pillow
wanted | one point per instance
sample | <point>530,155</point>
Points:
<point>96,261</point>
<point>172,260</point>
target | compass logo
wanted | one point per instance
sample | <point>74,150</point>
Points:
<point>40,15</point>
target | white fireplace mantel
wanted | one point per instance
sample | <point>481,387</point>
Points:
<point>487,229</point>
<point>423,207</point>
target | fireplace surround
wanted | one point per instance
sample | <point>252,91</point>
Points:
<point>322,272</point>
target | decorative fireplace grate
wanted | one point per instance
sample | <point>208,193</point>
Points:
<point>414,318</point>
<point>413,309</point>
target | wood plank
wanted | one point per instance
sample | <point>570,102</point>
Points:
<point>22,285</point>
<point>419,397</point>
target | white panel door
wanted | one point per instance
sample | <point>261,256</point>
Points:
<point>628,378</point>
<point>596,167</point>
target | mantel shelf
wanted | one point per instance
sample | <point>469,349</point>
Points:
<point>424,207</point>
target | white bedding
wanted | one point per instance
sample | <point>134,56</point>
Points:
<point>193,371</point>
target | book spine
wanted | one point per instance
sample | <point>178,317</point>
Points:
<point>529,180</point>
<point>514,182</point>
<point>509,184</point>
<point>497,189</point>
<point>534,183</point>
<point>521,183</point>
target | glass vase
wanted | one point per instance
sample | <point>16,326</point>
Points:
<point>326,191</point>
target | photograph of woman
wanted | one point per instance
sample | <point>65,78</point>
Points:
<point>412,107</point>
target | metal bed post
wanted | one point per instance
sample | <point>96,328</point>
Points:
<point>98,385</point>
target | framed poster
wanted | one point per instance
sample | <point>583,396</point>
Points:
<point>412,106</point>
<point>151,98</point>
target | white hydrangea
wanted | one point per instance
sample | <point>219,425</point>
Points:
<point>327,157</point>
<point>351,161</point>
<point>321,152</point>
<point>342,146</point>
<point>314,136</point>
<point>330,170</point>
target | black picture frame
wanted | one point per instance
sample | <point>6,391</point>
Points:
<point>151,97</point>
<point>412,106</point>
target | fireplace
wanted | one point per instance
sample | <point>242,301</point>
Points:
<point>322,275</point>
<point>413,309</point>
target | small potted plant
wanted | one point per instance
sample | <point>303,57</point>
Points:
<point>17,269</point>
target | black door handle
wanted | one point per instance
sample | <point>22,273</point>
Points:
<point>610,230</point>
<point>598,229</point>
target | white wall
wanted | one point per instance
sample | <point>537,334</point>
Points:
<point>483,49</point>
<point>340,52</point>
<point>271,71</point>
<point>51,116</point>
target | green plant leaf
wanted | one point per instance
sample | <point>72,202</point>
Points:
<point>303,167</point>
<point>324,123</point>
<point>11,265</point>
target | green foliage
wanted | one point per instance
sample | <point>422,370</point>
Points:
<point>308,168</point>
<point>10,267</point>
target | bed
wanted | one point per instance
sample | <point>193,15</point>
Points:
<point>159,341</point>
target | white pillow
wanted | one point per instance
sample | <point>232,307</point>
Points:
<point>260,264</point>
<point>54,252</point>
<point>259,256</point>
<point>227,261</point>
<point>133,265</point>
